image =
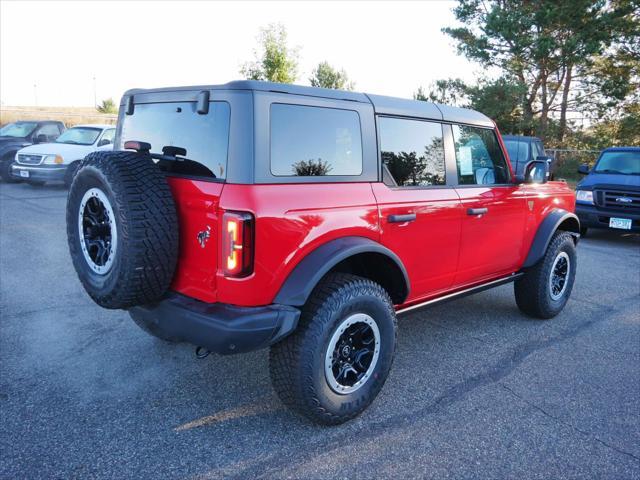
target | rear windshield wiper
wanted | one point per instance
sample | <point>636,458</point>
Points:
<point>172,159</point>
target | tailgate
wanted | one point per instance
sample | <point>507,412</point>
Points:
<point>197,205</point>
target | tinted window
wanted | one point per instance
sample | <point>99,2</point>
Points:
<point>205,137</point>
<point>315,141</point>
<point>412,152</point>
<point>478,156</point>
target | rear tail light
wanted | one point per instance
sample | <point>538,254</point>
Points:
<point>237,244</point>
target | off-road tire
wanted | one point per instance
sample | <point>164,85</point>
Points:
<point>5,169</point>
<point>146,249</point>
<point>297,362</point>
<point>533,292</point>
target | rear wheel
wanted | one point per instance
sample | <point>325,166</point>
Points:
<point>335,363</point>
<point>544,289</point>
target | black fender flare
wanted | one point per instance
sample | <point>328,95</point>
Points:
<point>547,228</point>
<point>305,276</point>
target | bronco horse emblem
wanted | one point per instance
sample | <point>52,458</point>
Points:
<point>203,236</point>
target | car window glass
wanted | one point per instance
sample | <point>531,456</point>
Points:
<point>19,129</point>
<point>479,159</point>
<point>109,135</point>
<point>621,162</point>
<point>512,149</point>
<point>536,150</point>
<point>315,141</point>
<point>50,130</point>
<point>79,136</point>
<point>412,152</point>
<point>204,137</point>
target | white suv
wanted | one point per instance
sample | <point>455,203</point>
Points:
<point>60,160</point>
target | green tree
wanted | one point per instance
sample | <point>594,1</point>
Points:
<point>500,99</point>
<point>107,106</point>
<point>311,168</point>
<point>274,60</point>
<point>324,75</point>
<point>450,91</point>
<point>548,47</point>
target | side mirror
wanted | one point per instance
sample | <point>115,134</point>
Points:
<point>535,171</point>
<point>583,169</point>
<point>103,142</point>
<point>41,138</point>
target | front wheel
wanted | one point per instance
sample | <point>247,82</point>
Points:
<point>544,290</point>
<point>336,362</point>
<point>5,170</point>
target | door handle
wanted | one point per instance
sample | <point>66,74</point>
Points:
<point>477,211</point>
<point>407,217</point>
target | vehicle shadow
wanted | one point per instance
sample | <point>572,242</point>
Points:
<point>619,237</point>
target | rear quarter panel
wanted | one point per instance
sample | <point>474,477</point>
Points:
<point>291,221</point>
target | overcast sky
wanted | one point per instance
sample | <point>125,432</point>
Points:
<point>388,48</point>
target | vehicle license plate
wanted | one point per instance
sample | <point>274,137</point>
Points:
<point>24,173</point>
<point>623,223</point>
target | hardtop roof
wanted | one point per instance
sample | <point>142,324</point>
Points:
<point>382,104</point>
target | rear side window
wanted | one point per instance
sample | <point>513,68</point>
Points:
<point>479,159</point>
<point>109,135</point>
<point>315,141</point>
<point>412,152</point>
<point>205,137</point>
<point>50,130</point>
<point>536,150</point>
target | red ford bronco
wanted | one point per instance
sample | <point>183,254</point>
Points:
<point>252,214</point>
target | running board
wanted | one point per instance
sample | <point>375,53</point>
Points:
<point>463,293</point>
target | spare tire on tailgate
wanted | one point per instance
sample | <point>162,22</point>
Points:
<point>122,229</point>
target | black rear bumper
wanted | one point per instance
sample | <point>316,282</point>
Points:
<point>218,327</point>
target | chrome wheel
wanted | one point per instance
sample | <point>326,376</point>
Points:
<point>559,277</point>
<point>352,353</point>
<point>98,232</point>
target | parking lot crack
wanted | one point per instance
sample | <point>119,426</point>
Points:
<point>568,424</point>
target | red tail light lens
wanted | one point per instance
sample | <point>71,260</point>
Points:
<point>237,244</point>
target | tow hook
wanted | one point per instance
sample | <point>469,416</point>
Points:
<point>202,352</point>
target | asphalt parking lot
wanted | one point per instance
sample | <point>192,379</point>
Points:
<point>476,391</point>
